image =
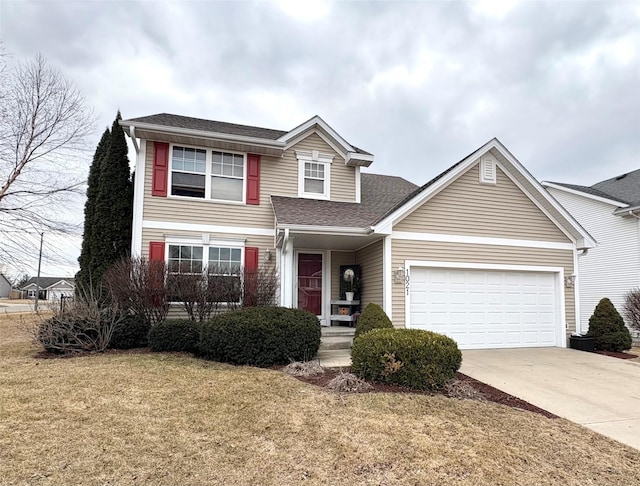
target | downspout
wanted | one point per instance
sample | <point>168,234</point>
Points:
<point>132,134</point>
<point>284,269</point>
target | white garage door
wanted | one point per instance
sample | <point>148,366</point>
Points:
<point>485,309</point>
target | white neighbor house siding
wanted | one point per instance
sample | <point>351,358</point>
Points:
<point>613,267</point>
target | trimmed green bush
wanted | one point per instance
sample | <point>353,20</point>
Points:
<point>418,359</point>
<point>261,336</point>
<point>174,335</point>
<point>373,317</point>
<point>131,332</point>
<point>607,328</point>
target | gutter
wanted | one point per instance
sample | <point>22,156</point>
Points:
<point>330,230</point>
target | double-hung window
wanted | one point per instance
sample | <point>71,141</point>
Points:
<point>207,174</point>
<point>220,265</point>
<point>188,172</point>
<point>227,176</point>
<point>314,170</point>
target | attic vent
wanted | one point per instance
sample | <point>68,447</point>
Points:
<point>488,170</point>
<point>621,177</point>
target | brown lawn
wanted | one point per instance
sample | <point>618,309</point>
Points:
<point>137,418</point>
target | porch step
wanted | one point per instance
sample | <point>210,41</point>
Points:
<point>334,358</point>
<point>336,337</point>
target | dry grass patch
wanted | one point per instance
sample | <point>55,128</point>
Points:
<point>119,418</point>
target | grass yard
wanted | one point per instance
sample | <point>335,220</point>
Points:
<point>137,418</point>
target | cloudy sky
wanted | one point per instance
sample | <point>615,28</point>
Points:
<point>419,84</point>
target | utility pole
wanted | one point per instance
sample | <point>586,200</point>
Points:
<point>38,277</point>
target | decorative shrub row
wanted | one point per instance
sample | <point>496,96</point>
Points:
<point>373,317</point>
<point>175,335</point>
<point>418,359</point>
<point>131,332</point>
<point>261,336</point>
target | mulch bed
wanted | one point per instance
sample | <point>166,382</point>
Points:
<point>615,354</point>
<point>487,392</point>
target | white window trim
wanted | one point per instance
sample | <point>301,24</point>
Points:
<point>205,242</point>
<point>314,157</point>
<point>207,175</point>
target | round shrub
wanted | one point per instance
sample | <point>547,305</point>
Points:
<point>607,328</point>
<point>131,332</point>
<point>418,359</point>
<point>373,317</point>
<point>261,336</point>
<point>174,335</point>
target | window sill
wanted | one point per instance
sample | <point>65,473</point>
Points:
<point>202,199</point>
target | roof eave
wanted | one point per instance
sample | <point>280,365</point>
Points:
<point>569,190</point>
<point>358,160</point>
<point>206,135</point>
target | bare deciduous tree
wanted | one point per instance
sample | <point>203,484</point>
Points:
<point>44,123</point>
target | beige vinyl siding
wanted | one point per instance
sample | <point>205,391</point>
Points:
<point>466,207</point>
<point>201,211</point>
<point>370,260</point>
<point>278,176</point>
<point>339,258</point>
<point>262,242</point>
<point>403,250</point>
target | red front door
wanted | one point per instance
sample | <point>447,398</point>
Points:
<point>310,282</point>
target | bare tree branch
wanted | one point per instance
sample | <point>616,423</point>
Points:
<point>44,123</point>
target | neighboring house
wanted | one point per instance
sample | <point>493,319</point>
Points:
<point>608,210</point>
<point>480,253</point>
<point>5,287</point>
<point>51,288</point>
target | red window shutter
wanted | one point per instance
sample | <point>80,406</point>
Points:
<point>253,179</point>
<point>156,251</point>
<point>251,259</point>
<point>160,169</point>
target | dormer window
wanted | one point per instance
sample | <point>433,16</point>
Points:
<point>314,170</point>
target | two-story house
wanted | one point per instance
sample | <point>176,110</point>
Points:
<point>480,253</point>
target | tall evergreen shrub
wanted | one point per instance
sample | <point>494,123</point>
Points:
<point>607,328</point>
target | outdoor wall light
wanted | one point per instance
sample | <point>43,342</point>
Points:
<point>569,281</point>
<point>267,255</point>
<point>398,276</point>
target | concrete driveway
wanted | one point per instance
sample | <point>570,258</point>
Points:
<point>596,391</point>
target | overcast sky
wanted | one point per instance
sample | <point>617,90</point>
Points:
<point>418,84</point>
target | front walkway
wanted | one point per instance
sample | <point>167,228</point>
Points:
<point>596,391</point>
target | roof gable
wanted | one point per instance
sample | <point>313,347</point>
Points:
<point>518,175</point>
<point>351,154</point>
<point>47,282</point>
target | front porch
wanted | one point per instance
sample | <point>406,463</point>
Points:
<point>313,266</point>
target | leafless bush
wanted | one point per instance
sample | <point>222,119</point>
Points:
<point>260,287</point>
<point>306,368</point>
<point>349,383</point>
<point>632,308</point>
<point>139,286</point>
<point>83,325</point>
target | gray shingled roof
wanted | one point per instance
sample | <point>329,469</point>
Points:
<point>169,120</point>
<point>587,190</point>
<point>625,187</point>
<point>48,281</point>
<point>190,123</point>
<point>379,193</point>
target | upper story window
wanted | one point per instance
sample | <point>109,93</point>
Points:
<point>314,170</point>
<point>188,168</point>
<point>227,176</point>
<point>207,174</point>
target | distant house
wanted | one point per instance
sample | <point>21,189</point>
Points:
<point>610,211</point>
<point>51,288</point>
<point>5,287</point>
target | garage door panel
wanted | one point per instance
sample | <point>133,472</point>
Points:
<point>485,309</point>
